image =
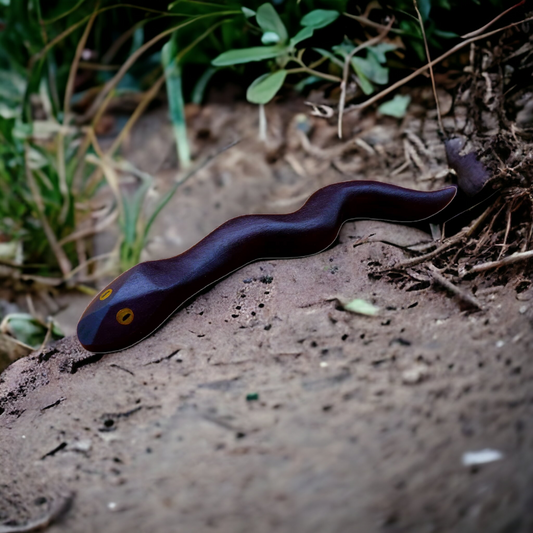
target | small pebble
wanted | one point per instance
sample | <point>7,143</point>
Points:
<point>83,445</point>
<point>481,457</point>
<point>415,374</point>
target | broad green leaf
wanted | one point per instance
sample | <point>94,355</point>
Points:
<point>319,18</point>
<point>244,55</point>
<point>22,130</point>
<point>344,48</point>
<point>424,7</point>
<point>371,69</point>
<point>264,88</point>
<point>395,107</point>
<point>303,34</point>
<point>379,50</point>
<point>367,69</point>
<point>12,86</point>
<point>28,330</point>
<point>9,111</point>
<point>248,13</point>
<point>269,20</point>
<point>269,37</point>
<point>364,82</point>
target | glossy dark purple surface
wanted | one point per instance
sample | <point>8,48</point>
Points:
<point>149,293</point>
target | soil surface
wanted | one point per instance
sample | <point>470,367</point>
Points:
<point>264,405</point>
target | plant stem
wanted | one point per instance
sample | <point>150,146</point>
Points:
<point>262,123</point>
<point>317,73</point>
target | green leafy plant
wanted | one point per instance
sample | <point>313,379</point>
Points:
<point>278,46</point>
<point>28,330</point>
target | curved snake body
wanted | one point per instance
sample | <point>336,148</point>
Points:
<point>141,299</point>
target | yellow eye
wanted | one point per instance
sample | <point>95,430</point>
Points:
<point>106,294</point>
<point>125,316</point>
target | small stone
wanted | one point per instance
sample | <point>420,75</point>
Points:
<point>415,374</point>
<point>82,445</point>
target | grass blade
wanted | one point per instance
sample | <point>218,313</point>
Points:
<point>176,104</point>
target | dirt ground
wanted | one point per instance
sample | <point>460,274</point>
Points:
<point>264,405</point>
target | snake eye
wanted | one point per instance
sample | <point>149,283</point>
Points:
<point>125,316</point>
<point>106,294</point>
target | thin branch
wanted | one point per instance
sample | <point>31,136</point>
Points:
<point>88,262</point>
<point>346,69</point>
<point>507,230</point>
<point>100,103</point>
<point>97,66</point>
<point>86,232</point>
<point>50,325</point>
<point>305,68</point>
<point>318,62</point>
<point>367,22</point>
<point>452,241</point>
<point>439,117</point>
<point>422,69</point>
<point>448,285</point>
<point>509,260</point>
<point>483,28</point>
<point>139,110</point>
<point>74,66</point>
<point>72,28</point>
<point>123,37</point>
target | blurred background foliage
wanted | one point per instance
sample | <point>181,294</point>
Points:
<point>63,62</point>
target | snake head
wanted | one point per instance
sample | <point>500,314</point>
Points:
<point>123,313</point>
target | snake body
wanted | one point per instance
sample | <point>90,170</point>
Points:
<point>141,299</point>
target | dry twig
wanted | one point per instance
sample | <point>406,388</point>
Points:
<point>422,69</point>
<point>346,69</point>
<point>464,295</point>
<point>452,241</point>
<point>495,19</point>
<point>509,260</point>
<point>439,118</point>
